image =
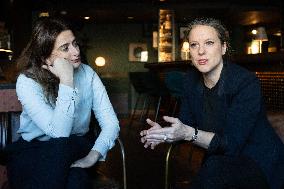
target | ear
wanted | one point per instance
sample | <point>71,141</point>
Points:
<point>224,48</point>
<point>48,61</point>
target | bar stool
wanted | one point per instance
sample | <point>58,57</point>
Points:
<point>136,79</point>
<point>148,85</point>
<point>9,104</point>
<point>174,83</point>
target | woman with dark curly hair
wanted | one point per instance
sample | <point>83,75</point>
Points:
<point>58,92</point>
<point>223,112</point>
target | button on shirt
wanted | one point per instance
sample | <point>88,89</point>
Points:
<point>71,112</point>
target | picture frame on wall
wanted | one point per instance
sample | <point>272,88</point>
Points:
<point>182,31</point>
<point>135,50</point>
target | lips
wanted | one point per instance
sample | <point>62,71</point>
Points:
<point>202,61</point>
<point>76,60</point>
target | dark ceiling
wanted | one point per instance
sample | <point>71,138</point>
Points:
<point>250,12</point>
<point>245,13</point>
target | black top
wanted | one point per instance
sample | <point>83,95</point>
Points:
<point>237,117</point>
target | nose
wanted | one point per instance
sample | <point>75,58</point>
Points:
<point>201,49</point>
<point>75,50</point>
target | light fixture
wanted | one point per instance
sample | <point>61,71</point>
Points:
<point>63,12</point>
<point>144,56</point>
<point>44,14</point>
<point>155,39</point>
<point>184,51</point>
<point>86,17</point>
<point>260,36</point>
<point>100,61</point>
<point>6,50</point>
<point>254,31</point>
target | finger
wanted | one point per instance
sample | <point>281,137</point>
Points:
<point>48,61</point>
<point>159,137</point>
<point>44,67</point>
<point>154,144</point>
<point>143,139</point>
<point>143,133</point>
<point>152,123</point>
<point>154,140</point>
<point>171,120</point>
<point>75,165</point>
<point>161,131</point>
<point>146,145</point>
<point>157,126</point>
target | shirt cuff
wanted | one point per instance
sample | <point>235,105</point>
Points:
<point>102,149</point>
<point>66,92</point>
<point>216,145</point>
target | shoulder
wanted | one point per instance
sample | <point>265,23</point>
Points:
<point>85,72</point>
<point>85,69</point>
<point>26,85</point>
<point>236,71</point>
<point>23,80</point>
<point>236,76</point>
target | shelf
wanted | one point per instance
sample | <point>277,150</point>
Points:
<point>166,45</point>
<point>273,62</point>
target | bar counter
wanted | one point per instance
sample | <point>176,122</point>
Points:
<point>272,62</point>
<point>269,68</point>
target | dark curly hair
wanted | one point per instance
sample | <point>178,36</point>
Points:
<point>38,49</point>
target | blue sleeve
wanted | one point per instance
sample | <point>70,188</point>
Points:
<point>54,121</point>
<point>106,117</point>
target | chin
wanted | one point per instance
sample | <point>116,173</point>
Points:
<point>203,69</point>
<point>76,65</point>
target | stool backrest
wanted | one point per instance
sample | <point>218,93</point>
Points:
<point>174,82</point>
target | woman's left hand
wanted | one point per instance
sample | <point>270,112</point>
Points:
<point>176,132</point>
<point>87,161</point>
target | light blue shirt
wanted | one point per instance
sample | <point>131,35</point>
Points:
<point>72,111</point>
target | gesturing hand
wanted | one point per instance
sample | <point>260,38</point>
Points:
<point>153,143</point>
<point>156,134</point>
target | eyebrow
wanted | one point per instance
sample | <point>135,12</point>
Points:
<point>63,45</point>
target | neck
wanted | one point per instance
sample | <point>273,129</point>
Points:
<point>211,78</point>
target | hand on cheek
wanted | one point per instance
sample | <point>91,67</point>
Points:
<point>62,69</point>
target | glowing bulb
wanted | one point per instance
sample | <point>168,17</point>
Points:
<point>254,32</point>
<point>100,61</point>
<point>185,46</point>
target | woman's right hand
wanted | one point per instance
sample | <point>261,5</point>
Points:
<point>156,134</point>
<point>62,69</point>
<point>152,143</point>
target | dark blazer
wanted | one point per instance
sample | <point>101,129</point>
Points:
<point>245,128</point>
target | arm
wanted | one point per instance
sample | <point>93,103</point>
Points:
<point>54,122</point>
<point>241,118</point>
<point>106,117</point>
<point>175,132</point>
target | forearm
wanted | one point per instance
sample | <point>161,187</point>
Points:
<point>68,81</point>
<point>94,155</point>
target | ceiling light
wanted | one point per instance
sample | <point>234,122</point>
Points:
<point>44,14</point>
<point>277,34</point>
<point>86,17</point>
<point>6,50</point>
<point>100,61</point>
<point>63,12</point>
<point>130,17</point>
<point>254,32</point>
